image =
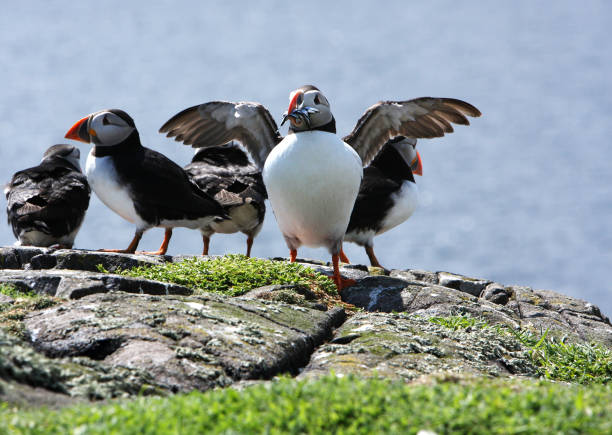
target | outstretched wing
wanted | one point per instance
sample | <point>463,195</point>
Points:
<point>218,122</point>
<point>425,117</point>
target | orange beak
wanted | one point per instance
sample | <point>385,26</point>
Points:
<point>79,131</point>
<point>293,102</point>
<point>416,165</point>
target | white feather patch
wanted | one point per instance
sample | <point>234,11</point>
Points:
<point>313,179</point>
<point>103,179</point>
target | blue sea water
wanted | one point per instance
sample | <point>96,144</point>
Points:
<point>522,196</point>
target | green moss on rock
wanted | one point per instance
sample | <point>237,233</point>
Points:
<point>21,303</point>
<point>79,377</point>
<point>233,275</point>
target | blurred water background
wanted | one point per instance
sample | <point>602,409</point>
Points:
<point>522,196</point>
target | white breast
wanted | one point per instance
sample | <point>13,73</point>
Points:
<point>405,203</point>
<point>38,238</point>
<point>312,180</point>
<point>103,179</point>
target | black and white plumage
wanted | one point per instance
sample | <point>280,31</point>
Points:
<point>140,184</point>
<point>226,174</point>
<point>388,194</point>
<point>312,175</point>
<point>46,204</point>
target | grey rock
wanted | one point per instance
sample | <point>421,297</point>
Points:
<point>445,301</point>
<point>295,294</point>
<point>473,286</point>
<point>74,259</point>
<point>379,293</point>
<point>346,272</point>
<point>415,275</point>
<point>91,260</point>
<point>31,375</point>
<point>387,294</point>
<point>496,293</point>
<point>560,315</point>
<point>265,291</point>
<point>4,299</point>
<point>360,267</point>
<point>27,396</point>
<point>402,346</point>
<point>184,343</point>
<point>70,284</point>
<point>19,257</point>
<point>117,336</point>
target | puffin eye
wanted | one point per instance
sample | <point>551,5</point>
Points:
<point>105,121</point>
<point>316,99</point>
<point>300,99</point>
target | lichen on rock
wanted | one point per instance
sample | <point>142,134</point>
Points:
<point>95,335</point>
<point>407,346</point>
<point>195,342</point>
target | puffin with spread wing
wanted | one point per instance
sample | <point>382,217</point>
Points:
<point>312,175</point>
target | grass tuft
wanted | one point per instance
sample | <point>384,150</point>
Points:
<point>233,275</point>
<point>16,292</point>
<point>555,359</point>
<point>24,301</point>
<point>559,360</point>
<point>459,322</point>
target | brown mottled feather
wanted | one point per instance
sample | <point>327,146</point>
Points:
<point>218,122</point>
<point>425,117</point>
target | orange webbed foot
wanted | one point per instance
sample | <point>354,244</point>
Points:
<point>343,257</point>
<point>158,252</point>
<point>342,283</point>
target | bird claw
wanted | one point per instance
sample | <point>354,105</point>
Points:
<point>342,283</point>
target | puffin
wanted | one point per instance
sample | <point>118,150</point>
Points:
<point>46,204</point>
<point>225,173</point>
<point>139,184</point>
<point>388,194</point>
<point>312,175</point>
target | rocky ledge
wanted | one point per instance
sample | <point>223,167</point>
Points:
<point>107,335</point>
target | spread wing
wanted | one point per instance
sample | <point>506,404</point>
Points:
<point>425,117</point>
<point>218,122</point>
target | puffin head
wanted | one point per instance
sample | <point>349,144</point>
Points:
<point>105,128</point>
<point>406,146</point>
<point>309,110</point>
<point>69,153</point>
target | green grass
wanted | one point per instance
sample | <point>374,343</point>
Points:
<point>15,292</point>
<point>24,301</point>
<point>233,275</point>
<point>560,360</point>
<point>556,359</point>
<point>459,322</point>
<point>340,405</point>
